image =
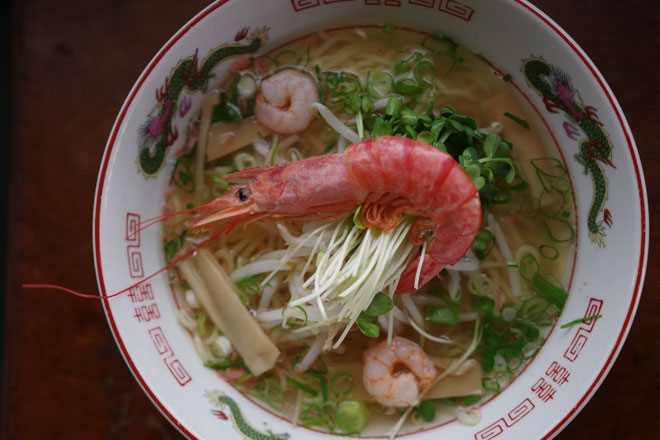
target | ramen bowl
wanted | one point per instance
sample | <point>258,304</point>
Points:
<point>551,76</point>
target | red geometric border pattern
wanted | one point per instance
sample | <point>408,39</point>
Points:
<point>451,7</point>
<point>164,350</point>
<point>135,267</point>
<point>575,347</point>
<point>456,9</point>
<point>512,417</point>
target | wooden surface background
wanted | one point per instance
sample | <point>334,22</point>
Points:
<point>73,63</point>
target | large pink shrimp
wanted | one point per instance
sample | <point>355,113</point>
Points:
<point>392,389</point>
<point>389,176</point>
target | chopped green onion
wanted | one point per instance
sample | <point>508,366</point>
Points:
<point>302,386</point>
<point>549,252</point>
<point>484,242</point>
<point>529,267</point>
<point>331,80</point>
<point>471,399</point>
<point>380,85</point>
<point>520,121</point>
<point>580,321</point>
<point>295,322</point>
<point>219,364</point>
<point>422,69</point>
<point>482,304</point>
<point>316,415</point>
<point>407,86</point>
<point>323,381</point>
<point>336,384</point>
<point>241,380</point>
<point>490,384</point>
<point>532,333</point>
<point>559,230</point>
<point>506,77</point>
<point>351,416</point>
<point>534,308</point>
<point>555,295</point>
<point>480,284</point>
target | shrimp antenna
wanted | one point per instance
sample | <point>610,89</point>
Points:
<point>161,218</point>
<point>178,259</point>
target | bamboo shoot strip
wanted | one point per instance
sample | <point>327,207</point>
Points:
<point>207,109</point>
<point>226,137</point>
<point>220,300</point>
<point>464,382</point>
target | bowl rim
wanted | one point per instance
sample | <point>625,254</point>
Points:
<point>634,155</point>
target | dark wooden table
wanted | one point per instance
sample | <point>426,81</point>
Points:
<point>73,63</point>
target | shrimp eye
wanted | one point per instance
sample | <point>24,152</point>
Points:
<point>242,194</point>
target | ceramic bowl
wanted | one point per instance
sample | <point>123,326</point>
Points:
<point>545,64</point>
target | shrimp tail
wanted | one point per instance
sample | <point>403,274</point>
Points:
<point>406,176</point>
<point>450,242</point>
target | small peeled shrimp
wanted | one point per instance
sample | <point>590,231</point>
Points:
<point>397,389</point>
<point>284,102</point>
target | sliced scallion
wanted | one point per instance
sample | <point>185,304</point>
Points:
<point>580,321</point>
<point>554,294</point>
<point>515,118</point>
<point>302,386</point>
<point>341,384</point>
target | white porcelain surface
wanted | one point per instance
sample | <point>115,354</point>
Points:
<point>160,352</point>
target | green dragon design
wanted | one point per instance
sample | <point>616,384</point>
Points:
<point>594,150</point>
<point>222,400</point>
<point>158,133</point>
